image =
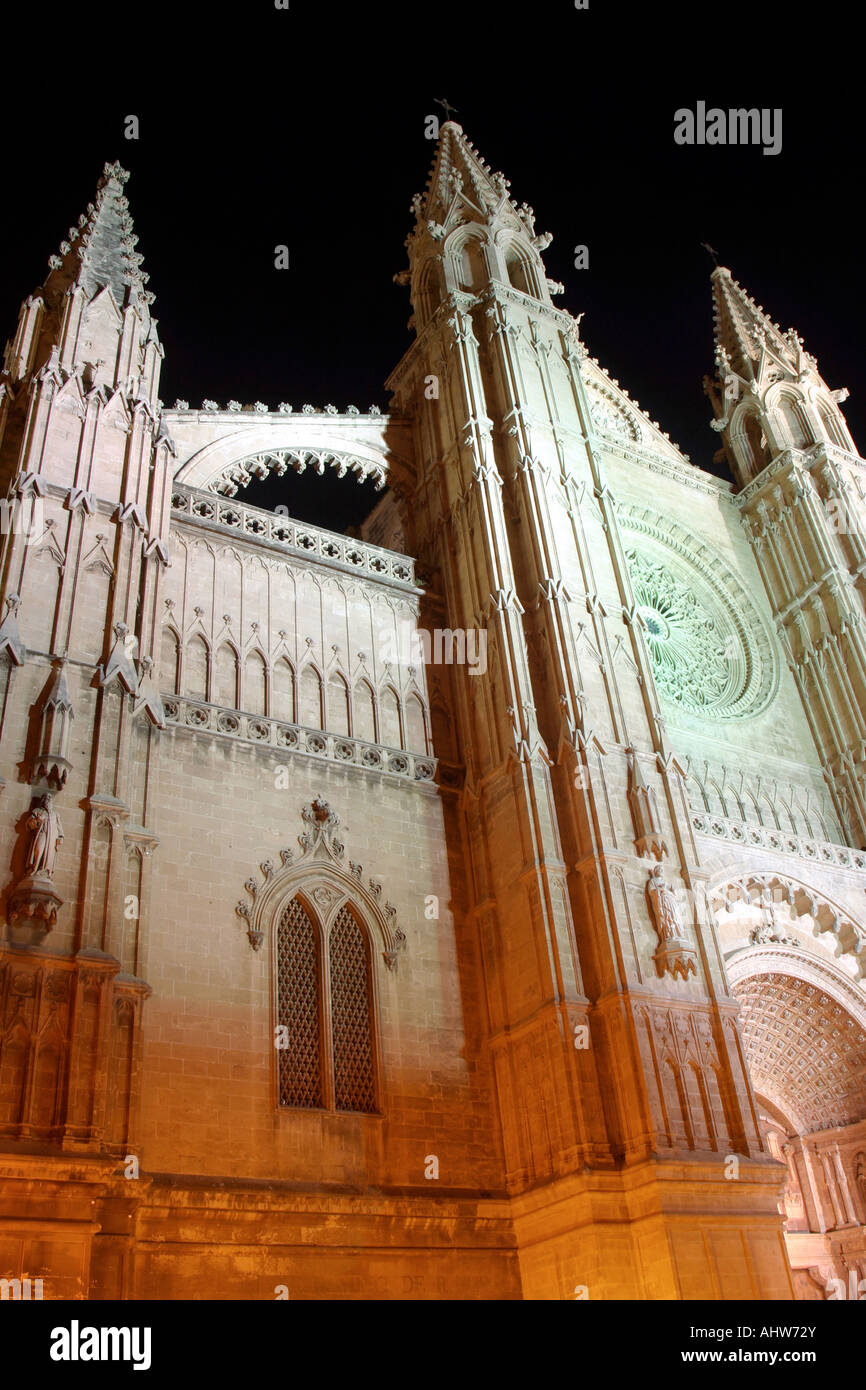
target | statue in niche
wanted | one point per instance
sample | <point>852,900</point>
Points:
<point>663,904</point>
<point>46,833</point>
<point>673,955</point>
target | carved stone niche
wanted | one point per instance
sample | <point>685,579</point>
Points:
<point>34,902</point>
<point>643,804</point>
<point>51,764</point>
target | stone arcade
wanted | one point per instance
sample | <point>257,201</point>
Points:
<point>639,828</point>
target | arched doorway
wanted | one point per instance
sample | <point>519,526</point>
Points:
<point>803,1022</point>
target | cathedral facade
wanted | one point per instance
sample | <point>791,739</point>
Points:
<point>470,908</point>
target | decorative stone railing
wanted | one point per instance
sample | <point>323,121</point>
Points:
<point>201,717</point>
<point>294,537</point>
<point>779,841</point>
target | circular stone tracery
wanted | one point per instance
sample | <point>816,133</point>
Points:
<point>692,651</point>
<point>708,646</point>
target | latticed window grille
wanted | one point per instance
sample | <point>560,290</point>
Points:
<point>299,1009</point>
<point>354,1087</point>
<point>311,1076</point>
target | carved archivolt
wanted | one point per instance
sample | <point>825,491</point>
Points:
<point>322,873</point>
<point>765,890</point>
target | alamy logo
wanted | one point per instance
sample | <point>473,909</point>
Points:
<point>20,1289</point>
<point>736,126</point>
<point>411,646</point>
<point>23,516</point>
<point>76,1343</point>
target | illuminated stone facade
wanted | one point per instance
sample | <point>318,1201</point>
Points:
<point>329,972</point>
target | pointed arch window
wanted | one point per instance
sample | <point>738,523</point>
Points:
<point>324,1004</point>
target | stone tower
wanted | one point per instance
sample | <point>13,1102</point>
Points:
<point>619,1069</point>
<point>82,459</point>
<point>804,509</point>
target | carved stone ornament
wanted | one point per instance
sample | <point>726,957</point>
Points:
<point>673,955</point>
<point>644,810</point>
<point>321,850</point>
<point>51,764</point>
<point>34,902</point>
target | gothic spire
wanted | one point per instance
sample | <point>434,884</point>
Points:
<point>742,330</point>
<point>460,175</point>
<point>100,251</point>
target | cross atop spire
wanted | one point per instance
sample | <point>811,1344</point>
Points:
<point>100,251</point>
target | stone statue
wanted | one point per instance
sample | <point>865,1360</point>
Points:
<point>663,905</point>
<point>46,833</point>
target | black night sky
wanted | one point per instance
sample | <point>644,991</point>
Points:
<point>261,126</point>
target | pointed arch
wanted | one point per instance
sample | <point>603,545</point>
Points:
<point>698,799</point>
<point>283,690</point>
<point>255,688</point>
<point>225,681</point>
<point>196,664</point>
<point>310,713</point>
<point>519,268</point>
<point>364,702</point>
<point>338,705</point>
<point>750,444</point>
<point>795,420</point>
<point>756,808</point>
<point>169,660</point>
<point>829,418</point>
<point>772,812</point>
<point>715,795</point>
<point>389,719</point>
<point>416,725</point>
<point>466,256</point>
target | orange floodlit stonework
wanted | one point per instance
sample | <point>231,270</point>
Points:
<point>520,961</point>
